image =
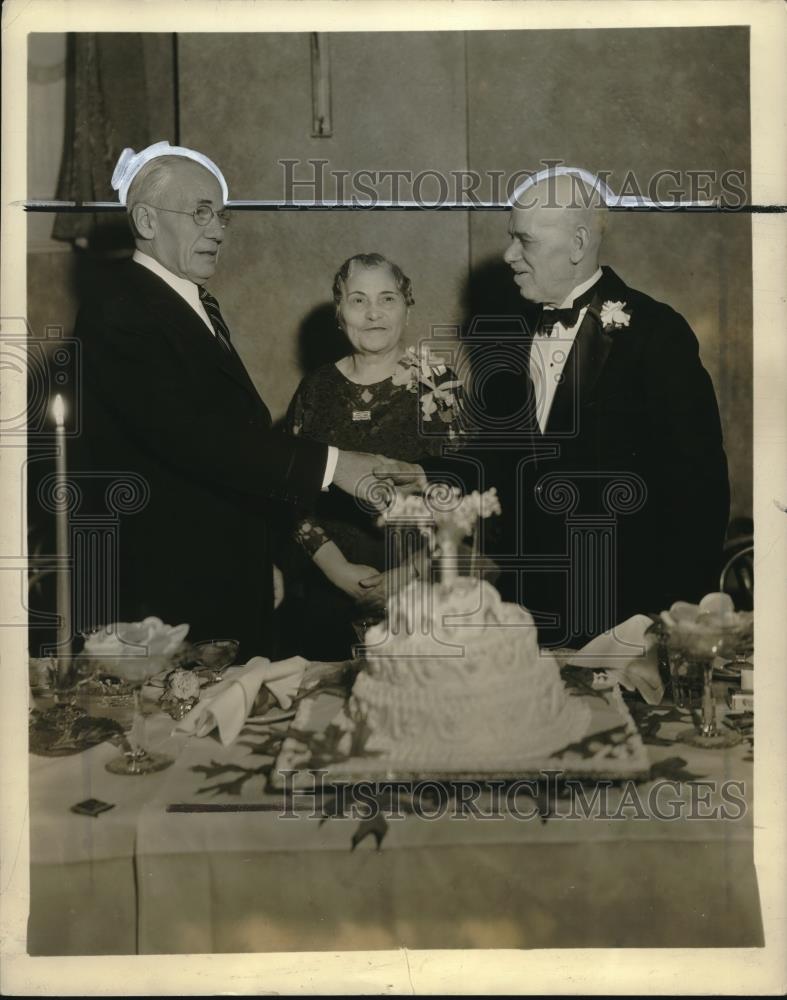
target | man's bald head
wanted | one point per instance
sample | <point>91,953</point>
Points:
<point>569,201</point>
<point>556,226</point>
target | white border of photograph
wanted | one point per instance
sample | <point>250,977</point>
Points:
<point>643,971</point>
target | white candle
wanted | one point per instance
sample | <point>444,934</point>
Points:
<point>62,546</point>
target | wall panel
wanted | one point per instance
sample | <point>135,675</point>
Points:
<point>639,101</point>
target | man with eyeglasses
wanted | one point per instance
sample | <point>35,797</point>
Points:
<point>166,396</point>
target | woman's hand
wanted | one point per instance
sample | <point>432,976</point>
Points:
<point>357,581</point>
<point>345,575</point>
<point>382,588</point>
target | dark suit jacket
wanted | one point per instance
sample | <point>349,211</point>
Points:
<point>162,399</point>
<point>621,505</point>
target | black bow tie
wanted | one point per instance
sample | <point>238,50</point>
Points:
<point>567,317</point>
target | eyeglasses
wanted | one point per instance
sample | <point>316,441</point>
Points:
<point>202,214</point>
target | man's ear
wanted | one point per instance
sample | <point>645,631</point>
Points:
<point>580,245</point>
<point>143,221</point>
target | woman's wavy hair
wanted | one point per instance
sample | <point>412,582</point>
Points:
<point>403,284</point>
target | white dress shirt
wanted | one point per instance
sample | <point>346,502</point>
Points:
<point>548,355</point>
<point>189,292</point>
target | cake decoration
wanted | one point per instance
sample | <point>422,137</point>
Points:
<point>453,679</point>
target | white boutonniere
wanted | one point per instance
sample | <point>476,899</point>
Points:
<point>416,370</point>
<point>614,315</point>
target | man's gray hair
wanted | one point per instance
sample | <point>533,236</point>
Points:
<point>151,181</point>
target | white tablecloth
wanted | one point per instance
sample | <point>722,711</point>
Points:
<point>143,877</point>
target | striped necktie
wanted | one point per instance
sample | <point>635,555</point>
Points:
<point>217,320</point>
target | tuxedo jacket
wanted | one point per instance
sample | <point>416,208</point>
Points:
<point>163,400</point>
<point>621,504</point>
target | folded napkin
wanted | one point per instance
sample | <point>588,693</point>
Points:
<point>628,655</point>
<point>227,705</point>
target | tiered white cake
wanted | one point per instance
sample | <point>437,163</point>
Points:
<point>454,681</point>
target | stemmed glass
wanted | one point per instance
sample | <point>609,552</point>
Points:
<point>211,657</point>
<point>695,636</point>
<point>136,759</point>
<point>133,653</point>
<point>709,735</point>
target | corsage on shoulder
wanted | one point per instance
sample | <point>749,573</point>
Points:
<point>426,370</point>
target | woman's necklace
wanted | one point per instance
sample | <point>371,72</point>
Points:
<point>364,396</point>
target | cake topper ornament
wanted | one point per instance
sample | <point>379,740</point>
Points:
<point>445,517</point>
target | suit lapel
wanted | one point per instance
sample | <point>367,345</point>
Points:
<point>230,363</point>
<point>584,365</point>
<point>164,300</point>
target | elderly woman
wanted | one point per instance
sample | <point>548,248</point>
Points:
<point>379,398</point>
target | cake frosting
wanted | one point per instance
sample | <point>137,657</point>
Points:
<point>454,681</point>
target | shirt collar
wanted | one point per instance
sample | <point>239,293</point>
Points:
<point>185,288</point>
<point>579,290</point>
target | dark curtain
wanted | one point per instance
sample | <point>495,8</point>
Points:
<point>121,91</point>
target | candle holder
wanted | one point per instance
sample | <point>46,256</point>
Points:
<point>54,688</point>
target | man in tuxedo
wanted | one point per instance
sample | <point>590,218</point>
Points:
<point>167,398</point>
<point>619,497</point>
<point>599,428</point>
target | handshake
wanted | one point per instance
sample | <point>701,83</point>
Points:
<point>372,478</point>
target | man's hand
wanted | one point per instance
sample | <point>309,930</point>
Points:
<point>354,474</point>
<point>405,476</point>
<point>372,478</point>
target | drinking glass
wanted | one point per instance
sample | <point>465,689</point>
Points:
<point>211,658</point>
<point>686,677</point>
<point>699,667</point>
<point>136,758</point>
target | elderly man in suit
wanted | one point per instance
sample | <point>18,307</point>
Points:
<point>621,498</point>
<point>610,469</point>
<point>167,397</point>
